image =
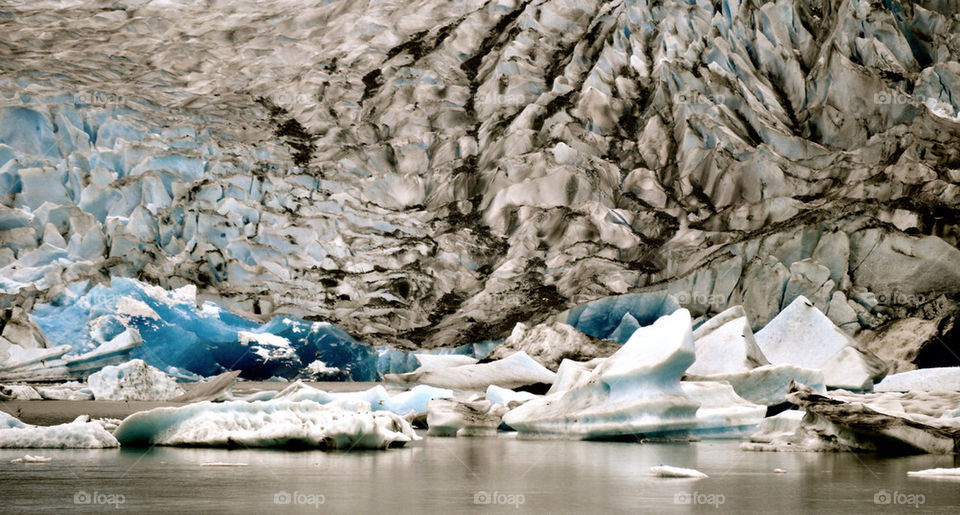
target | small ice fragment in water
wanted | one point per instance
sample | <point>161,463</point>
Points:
<point>223,464</point>
<point>779,471</point>
<point>948,473</point>
<point>668,471</point>
<point>31,459</point>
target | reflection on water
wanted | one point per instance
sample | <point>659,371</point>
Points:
<point>474,475</point>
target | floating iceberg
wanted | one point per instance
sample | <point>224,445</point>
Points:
<point>869,422</point>
<point>275,423</point>
<point>637,392</point>
<point>514,371</point>
<point>551,343</point>
<point>936,473</point>
<point>725,345</point>
<point>397,361</point>
<point>803,336</point>
<point>79,434</point>
<point>507,397</point>
<point>27,458</point>
<point>213,389</point>
<point>677,472</point>
<point>133,381</point>
<point>204,339</point>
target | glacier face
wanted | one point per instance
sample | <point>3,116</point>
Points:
<point>430,173</point>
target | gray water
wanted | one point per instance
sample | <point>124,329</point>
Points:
<point>473,475</point>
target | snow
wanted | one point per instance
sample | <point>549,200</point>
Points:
<point>516,370</point>
<point>79,434</point>
<point>668,471</point>
<point>275,423</point>
<point>133,381</point>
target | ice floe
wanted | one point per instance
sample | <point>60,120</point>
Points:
<point>79,434</point>
<point>275,423</point>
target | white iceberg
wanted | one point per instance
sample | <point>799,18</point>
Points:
<point>924,379</point>
<point>275,423</point>
<point>803,336</point>
<point>518,369</point>
<point>79,434</point>
<point>27,458</point>
<point>505,396</point>
<point>936,473</point>
<point>725,345</point>
<point>133,381</point>
<point>377,398</point>
<point>722,412</point>
<point>435,361</point>
<point>450,417</point>
<point>677,472</point>
<point>637,392</point>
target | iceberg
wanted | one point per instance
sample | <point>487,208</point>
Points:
<point>451,417</point>
<point>602,318</point>
<point>924,379</point>
<point>803,336</point>
<point>507,397</point>
<point>170,329</point>
<point>275,423</point>
<point>936,473</point>
<point>377,398</point>
<point>514,371</point>
<point>551,343</point>
<point>28,458</point>
<point>133,381</point>
<point>214,389</point>
<point>79,434</point>
<point>677,472</point>
<point>637,392</point>
<point>725,345</point>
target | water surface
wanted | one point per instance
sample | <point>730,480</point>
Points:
<point>473,475</point>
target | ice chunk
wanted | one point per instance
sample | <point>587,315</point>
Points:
<point>602,318</point>
<point>19,391</point>
<point>936,473</point>
<point>516,370</point>
<point>636,391</point>
<point>214,389</point>
<point>725,344</point>
<point>450,417</point>
<point>505,397</point>
<point>768,384</point>
<point>778,426</point>
<point>677,472</point>
<point>722,412</point>
<point>435,361</point>
<point>803,336</point>
<point>551,343</point>
<point>133,381</point>
<point>72,391</point>
<point>275,423</point>
<point>79,434</point>
<point>924,379</point>
<point>376,398</point>
<point>27,458</point>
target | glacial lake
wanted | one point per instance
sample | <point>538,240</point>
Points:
<point>473,475</point>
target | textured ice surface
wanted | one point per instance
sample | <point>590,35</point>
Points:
<point>451,417</point>
<point>518,369</point>
<point>413,400</point>
<point>79,434</point>
<point>925,379</point>
<point>133,381</point>
<point>276,423</point>
<point>429,173</point>
<point>637,391</point>
<point>803,336</point>
<point>615,318</point>
<point>203,339</point>
<point>551,343</point>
